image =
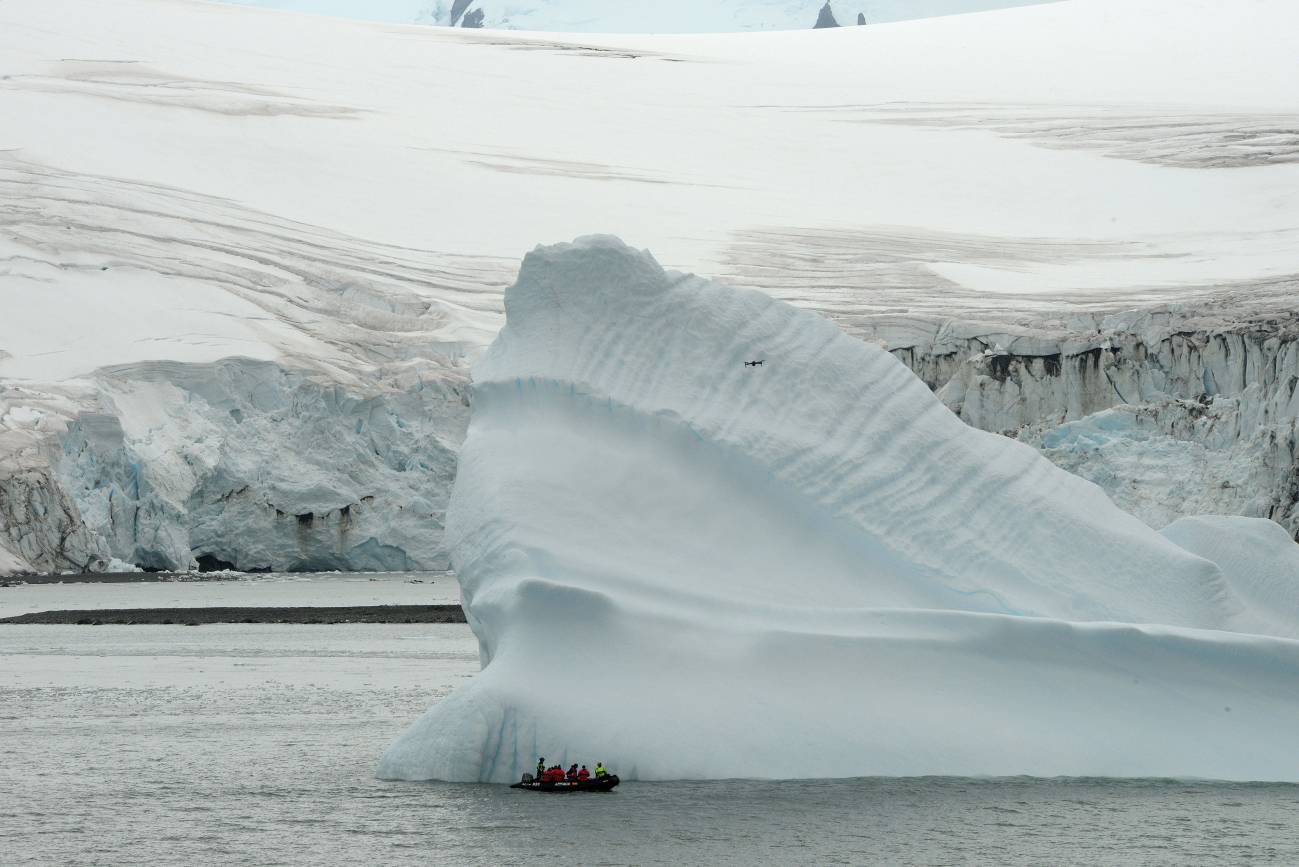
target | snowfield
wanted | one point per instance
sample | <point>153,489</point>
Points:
<point>248,257</point>
<point>632,499</point>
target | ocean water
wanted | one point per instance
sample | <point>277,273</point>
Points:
<point>238,590</point>
<point>255,745</point>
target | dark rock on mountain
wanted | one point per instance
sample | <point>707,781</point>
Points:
<point>826,18</point>
<point>458,8</point>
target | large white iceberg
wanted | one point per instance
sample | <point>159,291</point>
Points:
<point>688,567</point>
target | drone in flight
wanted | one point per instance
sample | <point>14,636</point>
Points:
<point>755,363</point>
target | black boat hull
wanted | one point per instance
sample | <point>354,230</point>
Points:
<point>604,784</point>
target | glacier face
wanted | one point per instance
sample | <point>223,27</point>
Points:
<point>250,465</point>
<point>689,567</point>
<point>1174,410</point>
<point>240,463</point>
<point>40,525</point>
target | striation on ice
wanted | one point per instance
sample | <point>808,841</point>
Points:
<point>1259,561</point>
<point>693,568</point>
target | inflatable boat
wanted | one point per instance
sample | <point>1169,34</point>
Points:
<point>601,784</point>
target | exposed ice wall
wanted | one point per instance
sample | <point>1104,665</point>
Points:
<point>235,464</point>
<point>256,466</point>
<point>40,525</point>
<point>690,567</point>
<point>1174,411</point>
<point>11,563</point>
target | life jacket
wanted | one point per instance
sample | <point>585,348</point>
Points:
<point>600,771</point>
<point>584,774</point>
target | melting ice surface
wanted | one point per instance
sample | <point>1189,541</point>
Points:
<point>632,500</point>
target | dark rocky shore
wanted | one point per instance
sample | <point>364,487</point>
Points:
<point>205,616</point>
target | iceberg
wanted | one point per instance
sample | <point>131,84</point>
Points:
<point>688,567</point>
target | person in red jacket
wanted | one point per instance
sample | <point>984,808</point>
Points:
<point>583,775</point>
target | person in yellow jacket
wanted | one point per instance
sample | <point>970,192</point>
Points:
<point>600,772</point>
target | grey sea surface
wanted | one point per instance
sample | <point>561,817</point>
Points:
<point>256,745</point>
<point>234,589</point>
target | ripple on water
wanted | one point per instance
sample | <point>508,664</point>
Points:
<point>268,771</point>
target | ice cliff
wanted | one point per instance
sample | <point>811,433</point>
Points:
<point>250,465</point>
<point>239,464</point>
<point>688,567</point>
<point>1174,410</point>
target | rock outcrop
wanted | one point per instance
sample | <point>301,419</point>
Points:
<point>458,9</point>
<point>825,18</point>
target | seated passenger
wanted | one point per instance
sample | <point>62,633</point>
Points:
<point>572,772</point>
<point>583,775</point>
<point>600,771</point>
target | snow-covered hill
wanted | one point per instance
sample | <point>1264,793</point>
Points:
<point>611,16</point>
<point>247,256</point>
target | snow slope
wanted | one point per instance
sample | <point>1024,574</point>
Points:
<point>662,16</point>
<point>803,569</point>
<point>217,215</point>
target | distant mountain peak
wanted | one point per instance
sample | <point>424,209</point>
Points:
<point>825,18</point>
